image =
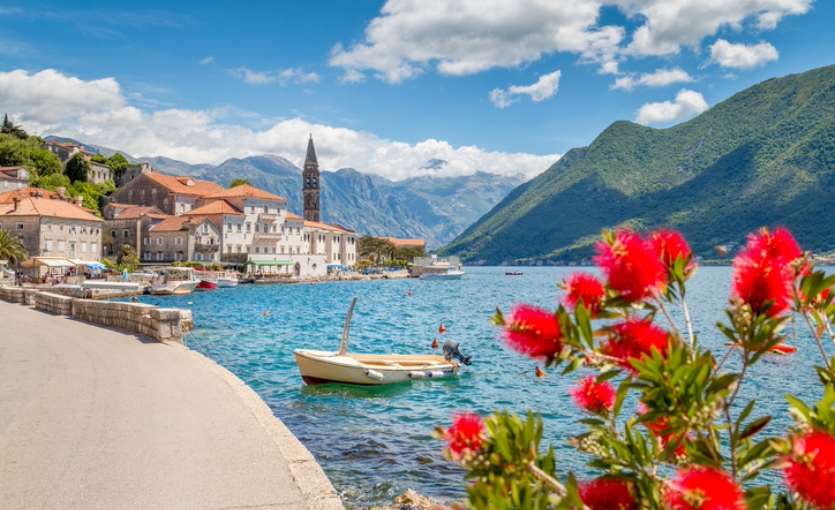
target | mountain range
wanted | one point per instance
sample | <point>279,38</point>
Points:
<point>763,157</point>
<point>435,209</point>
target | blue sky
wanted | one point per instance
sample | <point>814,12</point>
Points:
<point>504,87</point>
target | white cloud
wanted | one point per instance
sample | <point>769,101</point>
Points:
<point>298,76</point>
<point>352,76</point>
<point>101,117</point>
<point>460,37</point>
<point>252,77</point>
<point>687,103</point>
<point>49,96</point>
<point>660,78</point>
<point>544,88</point>
<point>741,56</point>
<point>207,60</point>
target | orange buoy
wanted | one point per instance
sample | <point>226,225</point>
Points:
<point>266,313</point>
<point>540,372</point>
<point>783,349</point>
<point>434,343</point>
<point>442,329</point>
<point>311,284</point>
<point>410,292</point>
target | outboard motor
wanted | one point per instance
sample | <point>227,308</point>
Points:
<point>451,350</point>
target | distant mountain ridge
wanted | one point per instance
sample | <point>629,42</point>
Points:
<point>764,157</point>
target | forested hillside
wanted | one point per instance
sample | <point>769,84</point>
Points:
<point>765,156</point>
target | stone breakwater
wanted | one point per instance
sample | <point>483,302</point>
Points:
<point>161,324</point>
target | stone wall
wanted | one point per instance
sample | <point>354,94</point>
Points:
<point>12,295</point>
<point>53,303</point>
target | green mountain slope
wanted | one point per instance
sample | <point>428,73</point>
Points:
<point>765,156</point>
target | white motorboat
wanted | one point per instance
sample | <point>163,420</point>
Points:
<point>227,279</point>
<point>434,268</point>
<point>447,275</point>
<point>321,367</point>
<point>174,281</point>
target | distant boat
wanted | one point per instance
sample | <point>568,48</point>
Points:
<point>447,275</point>
<point>515,274</point>
<point>174,281</point>
<point>227,279</point>
<point>321,367</point>
<point>433,268</point>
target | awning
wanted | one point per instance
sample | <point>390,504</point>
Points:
<point>37,261</point>
<point>94,266</point>
<point>261,263</point>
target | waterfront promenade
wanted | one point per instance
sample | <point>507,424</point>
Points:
<point>91,418</point>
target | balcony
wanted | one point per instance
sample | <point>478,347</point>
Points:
<point>267,218</point>
<point>267,236</point>
<point>207,247</point>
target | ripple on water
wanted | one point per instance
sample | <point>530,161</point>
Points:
<point>374,443</point>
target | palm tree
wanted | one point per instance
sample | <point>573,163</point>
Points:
<point>11,248</point>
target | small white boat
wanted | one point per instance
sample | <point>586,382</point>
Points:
<point>174,281</point>
<point>227,279</point>
<point>447,275</point>
<point>321,367</point>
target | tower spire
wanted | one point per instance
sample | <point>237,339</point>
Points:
<point>310,181</point>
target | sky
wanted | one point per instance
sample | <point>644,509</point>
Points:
<point>501,86</point>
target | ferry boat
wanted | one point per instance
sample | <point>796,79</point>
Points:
<point>321,367</point>
<point>174,281</point>
<point>433,268</point>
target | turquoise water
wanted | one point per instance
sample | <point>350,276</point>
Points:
<point>374,443</point>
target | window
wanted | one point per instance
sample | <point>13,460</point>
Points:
<point>178,255</point>
<point>257,227</point>
<point>48,245</point>
<point>273,249</point>
<point>239,227</point>
<point>282,249</point>
<point>142,193</point>
<point>253,209</point>
<point>94,248</point>
<point>49,226</point>
<point>165,202</point>
<point>146,255</point>
<point>273,227</point>
<point>266,209</point>
<point>178,240</point>
<point>211,257</point>
<point>228,226</point>
<point>198,256</point>
<point>113,234</point>
<point>257,249</point>
<point>239,248</point>
<point>61,246</point>
<point>20,226</point>
<point>83,247</point>
<point>248,226</point>
<point>160,240</point>
<point>147,241</point>
<point>126,233</point>
<point>205,228</point>
<point>159,255</point>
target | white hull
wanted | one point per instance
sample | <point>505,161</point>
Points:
<point>449,275</point>
<point>225,283</point>
<point>101,284</point>
<point>174,288</point>
<point>318,367</point>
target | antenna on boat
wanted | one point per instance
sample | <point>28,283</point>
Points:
<point>343,345</point>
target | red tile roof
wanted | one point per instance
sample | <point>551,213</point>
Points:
<point>176,223</point>
<point>216,207</point>
<point>133,212</point>
<point>325,226</point>
<point>180,185</point>
<point>291,216</point>
<point>405,242</point>
<point>244,191</point>
<point>9,196</point>
<point>50,208</point>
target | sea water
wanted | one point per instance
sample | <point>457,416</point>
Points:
<point>374,442</point>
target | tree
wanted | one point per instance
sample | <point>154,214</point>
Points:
<point>10,129</point>
<point>78,168</point>
<point>117,163</point>
<point>375,248</point>
<point>99,158</point>
<point>11,248</point>
<point>239,182</point>
<point>127,258</point>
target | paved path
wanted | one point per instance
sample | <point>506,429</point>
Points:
<point>91,418</point>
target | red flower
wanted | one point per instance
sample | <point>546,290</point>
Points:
<point>777,246</point>
<point>534,332</point>
<point>763,272</point>
<point>465,433</point>
<point>586,288</point>
<point>702,488</point>
<point>593,397</point>
<point>633,339</point>
<point>811,469</point>
<point>607,494</point>
<point>669,246</point>
<point>631,266</point>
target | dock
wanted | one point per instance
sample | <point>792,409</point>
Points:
<point>93,418</point>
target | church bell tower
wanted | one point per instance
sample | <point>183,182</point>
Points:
<point>310,177</point>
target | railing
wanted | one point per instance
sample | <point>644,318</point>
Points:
<point>206,247</point>
<point>267,236</point>
<point>267,218</point>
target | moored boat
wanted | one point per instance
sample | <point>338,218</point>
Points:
<point>174,281</point>
<point>447,275</point>
<point>433,268</point>
<point>321,367</point>
<point>206,285</point>
<point>227,279</point>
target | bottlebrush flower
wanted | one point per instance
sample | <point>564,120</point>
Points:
<point>669,246</point>
<point>607,494</point>
<point>586,288</point>
<point>631,266</point>
<point>633,339</point>
<point>811,469</point>
<point>534,332</point>
<point>660,427</point>
<point>702,488</point>
<point>593,397</point>
<point>780,245</point>
<point>465,434</point>
<point>758,280</point>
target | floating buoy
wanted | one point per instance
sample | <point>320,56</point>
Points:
<point>434,343</point>
<point>312,284</point>
<point>539,372</point>
<point>266,313</point>
<point>442,329</point>
<point>410,292</point>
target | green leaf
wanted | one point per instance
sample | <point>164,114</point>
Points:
<point>755,426</point>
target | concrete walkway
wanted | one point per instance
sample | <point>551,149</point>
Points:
<point>91,418</point>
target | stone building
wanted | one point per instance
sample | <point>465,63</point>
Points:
<point>171,195</point>
<point>128,225</point>
<point>132,172</point>
<point>66,150</point>
<point>13,177</point>
<point>310,184</point>
<point>182,238</point>
<point>99,173</point>
<point>48,226</point>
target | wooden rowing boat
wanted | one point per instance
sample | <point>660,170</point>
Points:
<point>321,367</point>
